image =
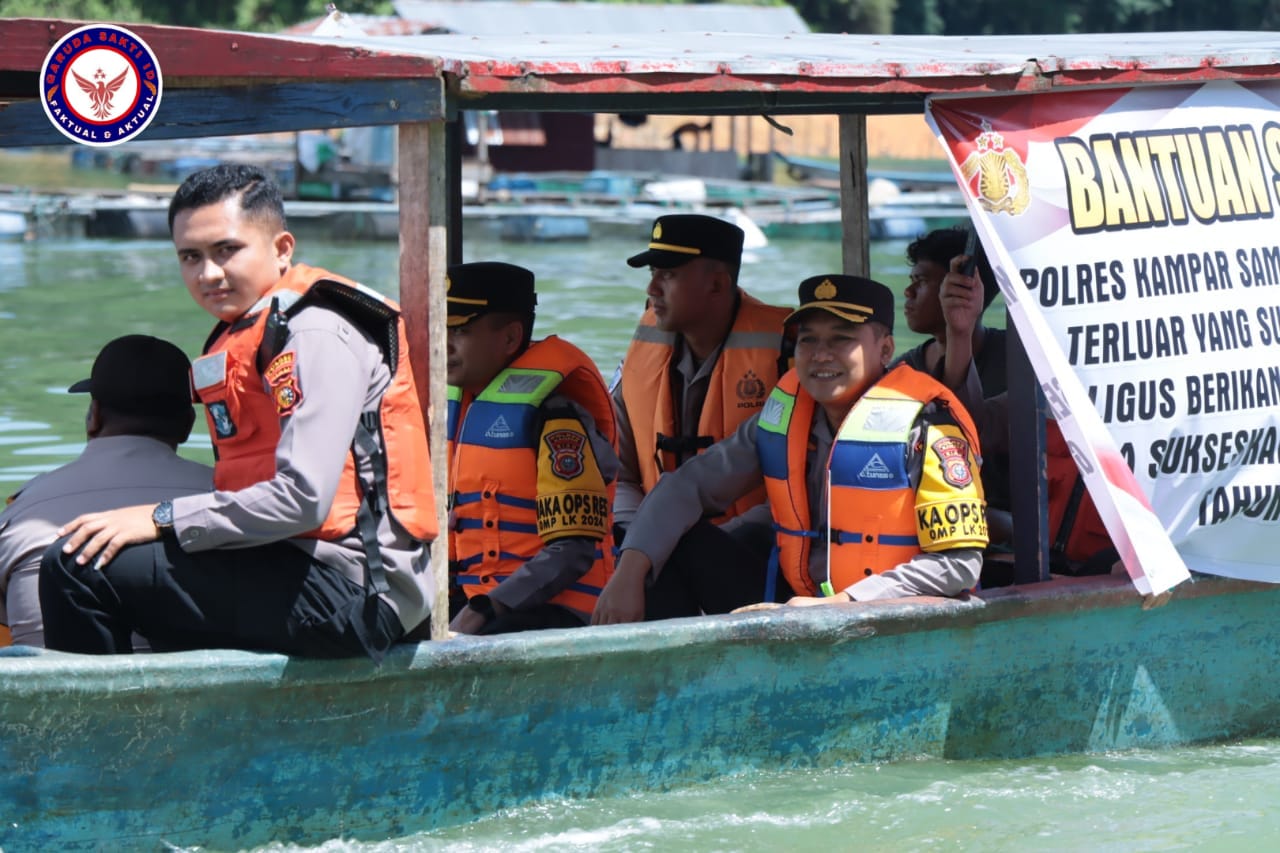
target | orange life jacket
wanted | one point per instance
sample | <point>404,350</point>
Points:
<point>244,419</point>
<point>872,513</point>
<point>1076,530</point>
<point>493,471</point>
<point>747,368</point>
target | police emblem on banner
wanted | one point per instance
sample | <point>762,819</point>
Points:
<point>283,382</point>
<point>100,85</point>
<point>953,454</point>
<point>567,447</point>
<point>1002,185</point>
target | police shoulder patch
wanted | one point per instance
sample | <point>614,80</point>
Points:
<point>953,456</point>
<point>567,449</point>
<point>282,379</point>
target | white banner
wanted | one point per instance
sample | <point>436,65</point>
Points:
<point>1134,236</point>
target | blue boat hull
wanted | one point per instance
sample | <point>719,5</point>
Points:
<point>234,750</point>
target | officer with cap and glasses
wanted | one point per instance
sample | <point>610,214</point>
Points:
<point>703,359</point>
<point>871,475</point>
<point>532,464</point>
<point>139,412</point>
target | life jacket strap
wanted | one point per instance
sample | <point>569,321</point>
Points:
<point>375,503</point>
<point>682,446</point>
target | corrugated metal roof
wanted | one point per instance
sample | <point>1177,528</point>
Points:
<point>380,80</point>
<point>542,17</point>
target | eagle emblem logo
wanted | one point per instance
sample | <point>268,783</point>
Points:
<point>99,92</point>
<point>100,85</point>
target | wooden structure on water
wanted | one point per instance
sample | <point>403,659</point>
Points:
<point>140,750</point>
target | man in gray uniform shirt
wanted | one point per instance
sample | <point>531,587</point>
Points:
<point>703,359</point>
<point>313,541</point>
<point>139,412</point>
<point>844,342</point>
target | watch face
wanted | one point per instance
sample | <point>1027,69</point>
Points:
<point>163,514</point>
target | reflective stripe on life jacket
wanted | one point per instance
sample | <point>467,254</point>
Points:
<point>493,471</point>
<point>740,381</point>
<point>872,517</point>
<point>244,421</point>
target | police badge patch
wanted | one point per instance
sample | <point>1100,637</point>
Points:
<point>953,454</point>
<point>283,382</point>
<point>567,447</point>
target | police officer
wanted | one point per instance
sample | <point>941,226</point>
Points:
<point>313,542</point>
<point>703,359</point>
<point>139,412</point>
<point>871,475</point>
<point>532,461</point>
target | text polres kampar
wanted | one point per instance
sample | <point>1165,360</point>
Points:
<point>1156,276</point>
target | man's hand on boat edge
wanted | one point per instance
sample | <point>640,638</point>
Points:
<point>622,599</point>
<point>99,536</point>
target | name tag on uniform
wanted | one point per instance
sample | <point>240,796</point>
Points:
<point>209,371</point>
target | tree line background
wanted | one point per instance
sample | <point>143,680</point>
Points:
<point>935,17</point>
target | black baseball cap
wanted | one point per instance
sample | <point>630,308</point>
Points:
<point>485,287</point>
<point>140,375</point>
<point>848,297</point>
<point>681,237</point>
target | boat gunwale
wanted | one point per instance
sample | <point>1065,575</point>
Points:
<point>26,671</point>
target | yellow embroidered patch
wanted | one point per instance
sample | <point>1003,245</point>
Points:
<point>950,508</point>
<point>573,499</point>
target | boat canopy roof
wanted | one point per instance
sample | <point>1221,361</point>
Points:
<point>219,82</point>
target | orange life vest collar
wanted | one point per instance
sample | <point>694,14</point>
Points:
<point>244,418</point>
<point>747,368</point>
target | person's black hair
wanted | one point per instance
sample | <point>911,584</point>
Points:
<point>943,244</point>
<point>168,427</point>
<point>501,318</point>
<point>259,195</point>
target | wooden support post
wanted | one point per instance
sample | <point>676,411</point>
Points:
<point>423,249</point>
<point>1029,491</point>
<point>455,135</point>
<point>856,247</point>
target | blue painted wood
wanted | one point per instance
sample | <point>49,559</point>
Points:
<point>228,750</point>
<point>263,108</point>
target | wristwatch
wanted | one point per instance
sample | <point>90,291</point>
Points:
<point>162,516</point>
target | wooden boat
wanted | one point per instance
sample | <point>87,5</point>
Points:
<point>222,749</point>
<point>231,750</point>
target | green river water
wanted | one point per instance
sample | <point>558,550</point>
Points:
<point>60,301</point>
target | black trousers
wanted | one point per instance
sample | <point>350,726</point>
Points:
<point>532,619</point>
<point>268,598</point>
<point>711,571</point>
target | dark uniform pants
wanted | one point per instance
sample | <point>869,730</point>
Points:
<point>710,571</point>
<point>270,598</point>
